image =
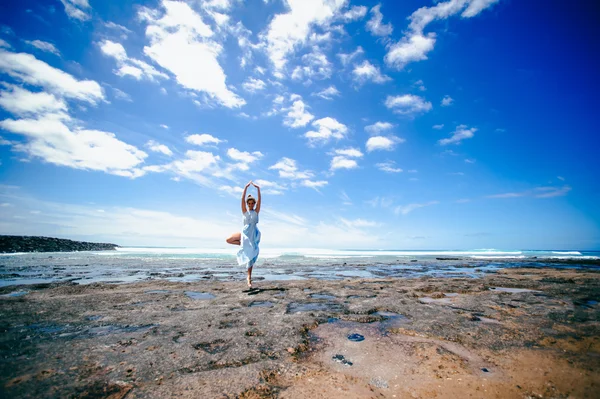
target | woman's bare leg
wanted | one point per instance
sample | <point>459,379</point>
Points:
<point>234,239</point>
<point>250,277</point>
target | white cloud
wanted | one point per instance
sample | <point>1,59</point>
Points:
<point>270,187</point>
<point>420,85</point>
<point>406,209</point>
<point>415,44</point>
<point>560,178</point>
<point>190,166</point>
<point>389,167</point>
<point>349,152</point>
<point>447,101</point>
<point>327,128</point>
<point>507,195</point>
<point>407,104</point>
<point>19,101</point>
<point>538,192</point>
<point>164,126</point>
<point>129,66</point>
<point>438,127</point>
<point>409,49</point>
<point>461,133</point>
<point>288,169</point>
<point>112,25</point>
<point>379,127</point>
<point>290,30</point>
<point>550,192</point>
<point>380,202</point>
<point>180,42</point>
<point>75,9</point>
<point>244,156</point>
<point>156,147</point>
<point>376,26</point>
<point>369,72</point>
<point>50,139</point>
<point>328,93</point>
<point>203,139</point>
<point>346,200</point>
<point>470,160</point>
<point>44,46</point>
<point>342,158</point>
<point>383,143</point>
<point>30,70</point>
<point>341,162</point>
<point>297,115</point>
<point>476,6</point>
<point>413,171</point>
<point>355,13</point>
<point>235,191</point>
<point>135,227</point>
<point>314,184</point>
<point>121,95</point>
<point>253,85</point>
<point>5,44</point>
<point>316,66</point>
<point>345,59</point>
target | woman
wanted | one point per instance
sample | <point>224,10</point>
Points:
<point>249,237</point>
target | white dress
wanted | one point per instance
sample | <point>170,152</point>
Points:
<point>250,238</point>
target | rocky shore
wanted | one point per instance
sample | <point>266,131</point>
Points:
<point>518,333</point>
<point>14,244</point>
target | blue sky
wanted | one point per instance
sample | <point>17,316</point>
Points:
<point>455,124</point>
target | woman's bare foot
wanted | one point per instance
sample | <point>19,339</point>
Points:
<point>249,282</point>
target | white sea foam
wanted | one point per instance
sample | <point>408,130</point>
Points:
<point>566,252</point>
<point>305,252</point>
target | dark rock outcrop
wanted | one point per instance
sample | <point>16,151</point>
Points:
<point>12,244</point>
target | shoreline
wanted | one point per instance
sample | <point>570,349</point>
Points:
<point>423,337</point>
<point>89,268</point>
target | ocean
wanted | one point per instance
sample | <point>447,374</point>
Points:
<point>131,264</point>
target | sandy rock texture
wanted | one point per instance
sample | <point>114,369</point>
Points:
<point>522,333</point>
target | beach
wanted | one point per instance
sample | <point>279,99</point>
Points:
<point>515,332</point>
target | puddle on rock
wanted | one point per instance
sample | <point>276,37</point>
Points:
<point>113,329</point>
<point>488,320</point>
<point>199,295</point>
<point>261,304</point>
<point>443,301</point>
<point>296,307</point>
<point>391,319</point>
<point>46,329</point>
<point>511,290</point>
<point>356,337</point>
<point>322,296</point>
<point>16,294</point>
<point>158,292</point>
<point>70,331</point>
<point>341,359</point>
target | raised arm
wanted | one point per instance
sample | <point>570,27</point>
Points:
<point>244,209</point>
<point>258,198</point>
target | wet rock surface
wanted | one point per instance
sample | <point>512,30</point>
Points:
<point>515,333</point>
